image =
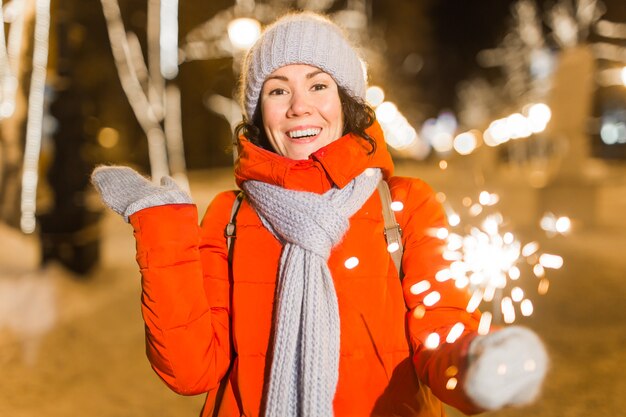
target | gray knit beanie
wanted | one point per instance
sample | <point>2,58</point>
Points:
<point>301,38</point>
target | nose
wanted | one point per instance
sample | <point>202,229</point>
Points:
<point>299,105</point>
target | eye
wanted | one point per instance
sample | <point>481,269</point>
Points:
<point>277,92</point>
<point>319,86</point>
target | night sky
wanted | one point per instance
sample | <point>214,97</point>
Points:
<point>460,30</point>
<point>446,35</point>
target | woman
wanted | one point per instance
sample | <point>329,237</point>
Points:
<point>311,318</point>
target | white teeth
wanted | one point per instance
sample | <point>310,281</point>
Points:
<point>302,133</point>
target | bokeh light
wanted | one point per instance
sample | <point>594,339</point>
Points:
<point>108,137</point>
<point>243,32</point>
<point>539,115</point>
<point>465,143</point>
<point>386,112</point>
<point>375,96</point>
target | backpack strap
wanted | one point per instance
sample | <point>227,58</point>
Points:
<point>230,232</point>
<point>393,232</point>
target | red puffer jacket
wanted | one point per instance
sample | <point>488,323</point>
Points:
<point>203,324</point>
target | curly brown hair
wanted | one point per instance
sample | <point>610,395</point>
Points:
<point>357,117</point>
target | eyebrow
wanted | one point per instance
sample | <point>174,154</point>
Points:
<point>313,74</point>
<point>283,78</point>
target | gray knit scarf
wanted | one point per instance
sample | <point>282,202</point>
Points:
<point>305,363</point>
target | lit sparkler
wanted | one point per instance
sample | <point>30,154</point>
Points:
<point>487,261</point>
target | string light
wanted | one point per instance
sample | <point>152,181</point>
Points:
<point>10,63</point>
<point>128,78</point>
<point>34,124</point>
<point>168,39</point>
<point>399,134</point>
<point>386,112</point>
<point>500,131</point>
<point>611,30</point>
<point>157,111</point>
<point>518,126</point>
<point>539,115</point>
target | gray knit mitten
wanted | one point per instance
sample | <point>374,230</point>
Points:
<point>507,368</point>
<point>126,192</point>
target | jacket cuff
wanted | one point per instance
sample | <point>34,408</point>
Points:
<point>444,370</point>
<point>161,198</point>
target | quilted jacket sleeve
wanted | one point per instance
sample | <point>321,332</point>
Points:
<point>185,293</point>
<point>434,307</point>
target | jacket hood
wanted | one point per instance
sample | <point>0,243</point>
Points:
<point>336,164</point>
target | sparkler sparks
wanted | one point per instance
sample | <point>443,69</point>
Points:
<point>555,225</point>
<point>487,261</point>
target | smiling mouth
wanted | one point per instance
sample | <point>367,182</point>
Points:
<point>304,133</point>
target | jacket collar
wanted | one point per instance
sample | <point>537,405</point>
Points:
<point>336,164</point>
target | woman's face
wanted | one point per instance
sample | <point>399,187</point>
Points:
<point>301,110</point>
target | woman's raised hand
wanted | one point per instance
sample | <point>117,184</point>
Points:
<point>125,191</point>
<point>506,368</point>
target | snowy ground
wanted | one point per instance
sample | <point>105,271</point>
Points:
<point>72,346</point>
